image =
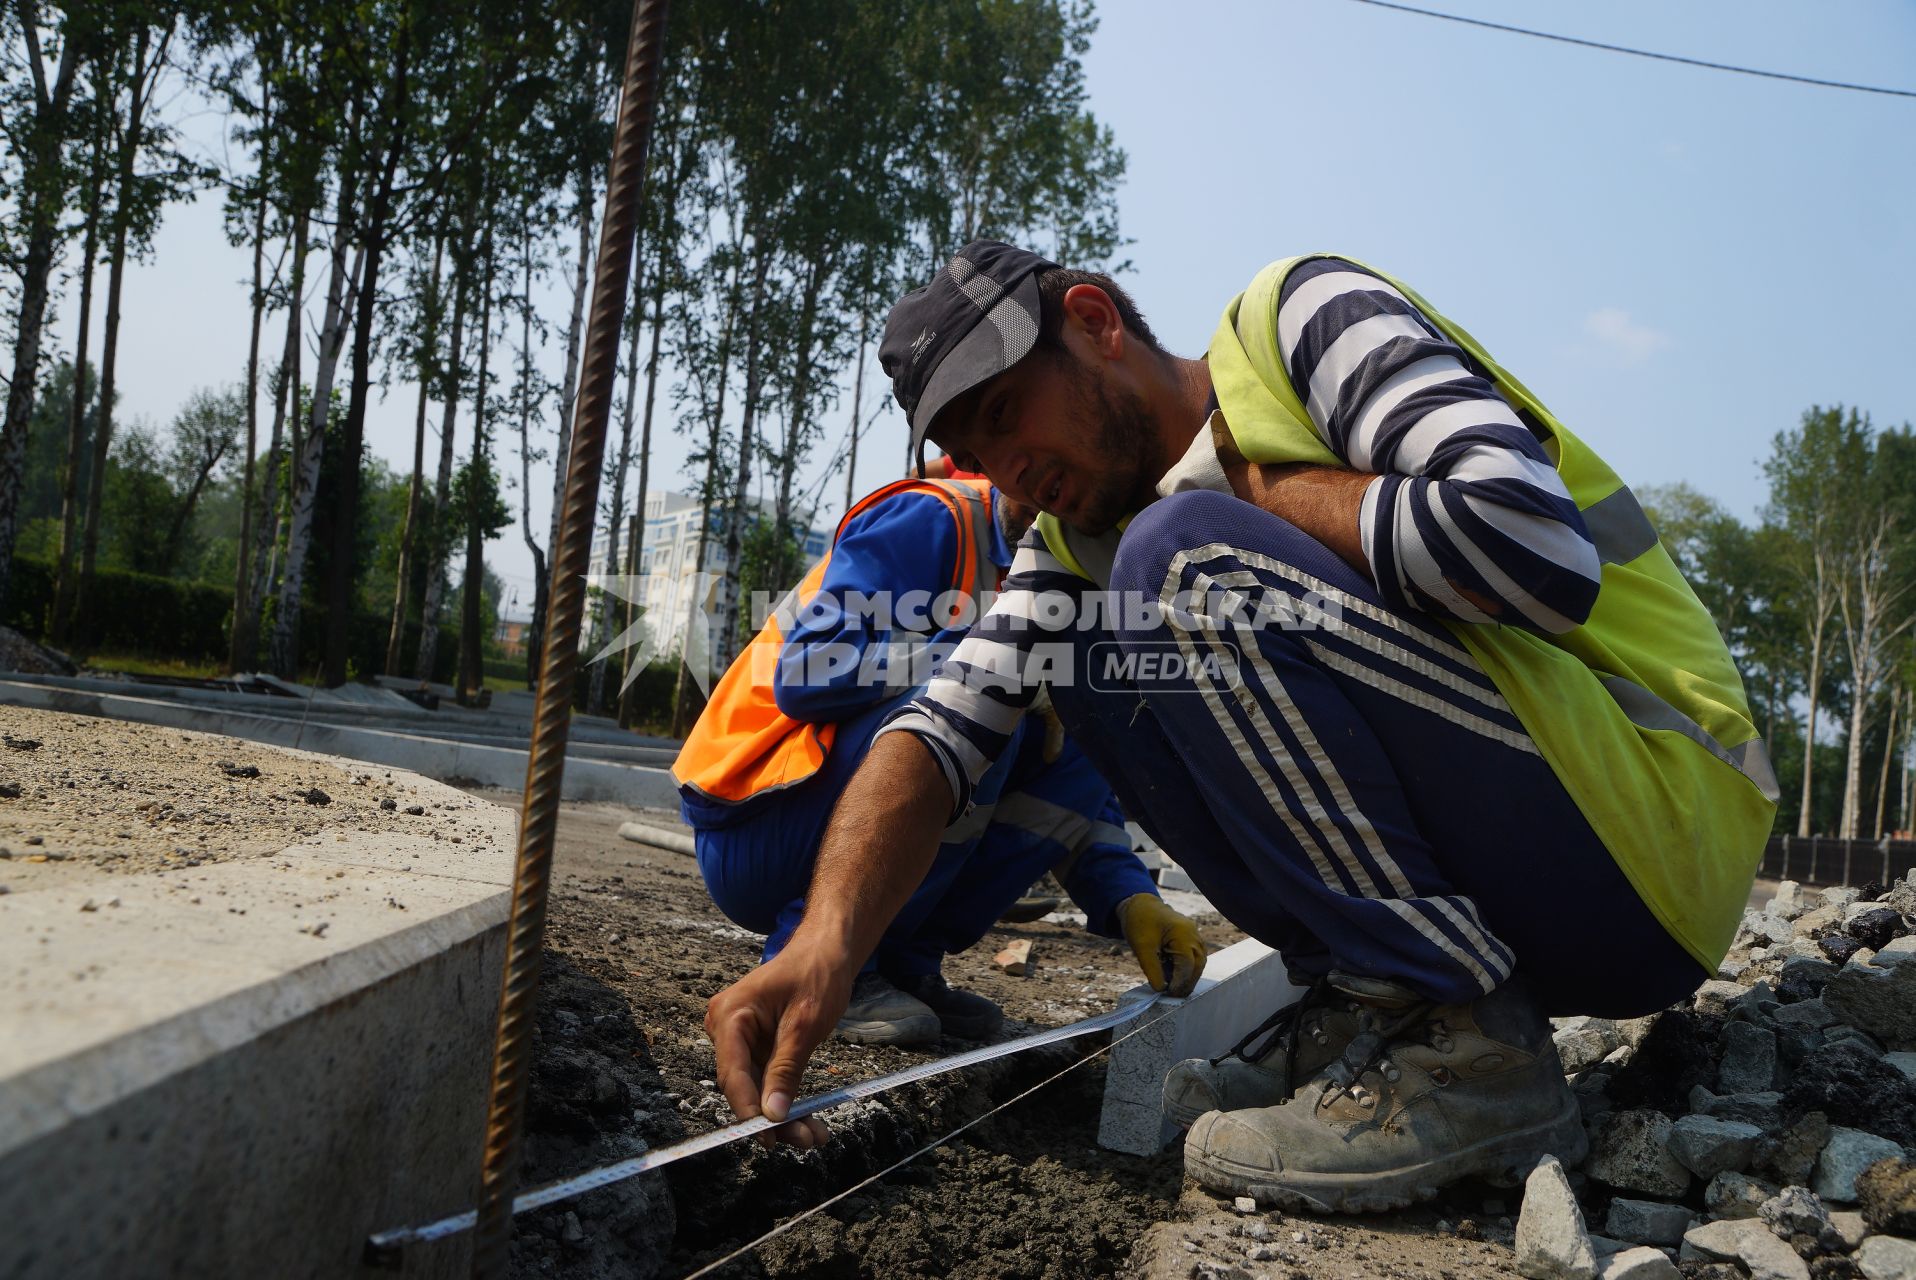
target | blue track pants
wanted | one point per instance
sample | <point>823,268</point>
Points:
<point>1359,796</point>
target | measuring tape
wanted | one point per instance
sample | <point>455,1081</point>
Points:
<point>384,1247</point>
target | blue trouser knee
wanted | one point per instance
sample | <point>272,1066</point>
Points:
<point>757,861</point>
<point>1357,796</point>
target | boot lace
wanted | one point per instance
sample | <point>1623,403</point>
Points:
<point>1371,1047</point>
<point>1283,1028</point>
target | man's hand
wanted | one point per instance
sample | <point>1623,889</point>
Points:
<point>1163,940</point>
<point>880,842</point>
<point>1322,501</point>
<point>763,1029</point>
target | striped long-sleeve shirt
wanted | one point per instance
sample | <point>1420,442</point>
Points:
<point>1465,501</point>
<point>1465,496</point>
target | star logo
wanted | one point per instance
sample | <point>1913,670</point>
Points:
<point>689,596</point>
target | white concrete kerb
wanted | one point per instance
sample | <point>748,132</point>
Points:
<point>585,779</point>
<point>1242,986</point>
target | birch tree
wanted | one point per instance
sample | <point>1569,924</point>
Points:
<point>1814,471</point>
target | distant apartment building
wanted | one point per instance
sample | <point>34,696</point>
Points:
<point>668,555</point>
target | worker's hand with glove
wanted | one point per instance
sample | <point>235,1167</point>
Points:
<point>1047,716</point>
<point>1166,943</point>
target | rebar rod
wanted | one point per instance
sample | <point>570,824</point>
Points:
<point>545,764</point>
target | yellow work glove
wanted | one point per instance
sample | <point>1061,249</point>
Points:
<point>1053,727</point>
<point>1165,943</point>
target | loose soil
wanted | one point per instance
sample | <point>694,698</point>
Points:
<point>636,948</point>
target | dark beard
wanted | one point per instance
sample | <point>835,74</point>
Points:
<point>1125,438</point>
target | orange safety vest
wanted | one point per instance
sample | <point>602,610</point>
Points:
<point>743,746</point>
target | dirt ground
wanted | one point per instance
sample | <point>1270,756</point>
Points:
<point>636,948</point>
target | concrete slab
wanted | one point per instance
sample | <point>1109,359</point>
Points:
<point>493,766</point>
<point>245,1067</point>
<point>1242,985</point>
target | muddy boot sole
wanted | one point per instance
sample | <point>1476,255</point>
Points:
<point>916,1029</point>
<point>1025,910</point>
<point>1378,1192</point>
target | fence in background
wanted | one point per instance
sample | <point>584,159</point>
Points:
<point>1826,860</point>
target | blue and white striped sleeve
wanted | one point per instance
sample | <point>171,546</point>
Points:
<point>1466,499</point>
<point>969,711</point>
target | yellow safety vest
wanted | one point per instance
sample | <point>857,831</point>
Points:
<point>1640,711</point>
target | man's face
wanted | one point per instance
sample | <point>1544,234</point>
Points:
<point>1055,433</point>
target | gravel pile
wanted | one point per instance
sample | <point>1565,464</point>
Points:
<point>1762,1129</point>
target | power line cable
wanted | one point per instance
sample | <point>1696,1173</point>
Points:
<point>1640,53</point>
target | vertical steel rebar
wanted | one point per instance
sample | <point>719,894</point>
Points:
<point>545,765</point>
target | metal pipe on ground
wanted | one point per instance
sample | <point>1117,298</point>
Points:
<point>545,765</point>
<point>659,838</point>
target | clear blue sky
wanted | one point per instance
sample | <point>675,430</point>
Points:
<point>1678,261</point>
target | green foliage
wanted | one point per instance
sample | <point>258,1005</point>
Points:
<point>762,554</point>
<point>138,612</point>
<point>139,503</point>
<point>475,495</point>
<point>164,618</point>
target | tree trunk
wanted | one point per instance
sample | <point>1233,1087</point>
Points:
<point>595,696</point>
<point>1853,760</point>
<point>43,200</point>
<point>628,710</point>
<point>238,659</point>
<point>438,546</point>
<point>184,516</point>
<point>536,629</point>
<point>103,427</point>
<point>1809,733</point>
<point>273,514</point>
<point>728,602</point>
<point>116,272</point>
<point>1889,753</point>
<point>682,714</point>
<point>681,711</point>
<point>472,670</point>
<point>428,340</point>
<point>341,290</point>
<point>795,422</point>
<point>1908,790</point>
<point>568,395</point>
<point>341,598</point>
<point>60,623</point>
<point>858,402</point>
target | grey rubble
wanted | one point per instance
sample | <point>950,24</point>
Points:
<point>1728,1133</point>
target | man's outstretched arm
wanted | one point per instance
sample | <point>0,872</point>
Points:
<point>878,846</point>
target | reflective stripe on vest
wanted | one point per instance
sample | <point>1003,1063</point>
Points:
<point>1619,527</point>
<point>1647,711</point>
<point>743,746</point>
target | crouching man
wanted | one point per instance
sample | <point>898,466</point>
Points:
<point>1449,724</point>
<point>911,567</point>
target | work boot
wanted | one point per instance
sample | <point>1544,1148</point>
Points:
<point>1030,907</point>
<point>882,1014</point>
<point>964,1014</point>
<point>1299,1040</point>
<point>1421,1097</point>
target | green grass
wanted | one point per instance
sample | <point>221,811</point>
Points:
<point>147,664</point>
